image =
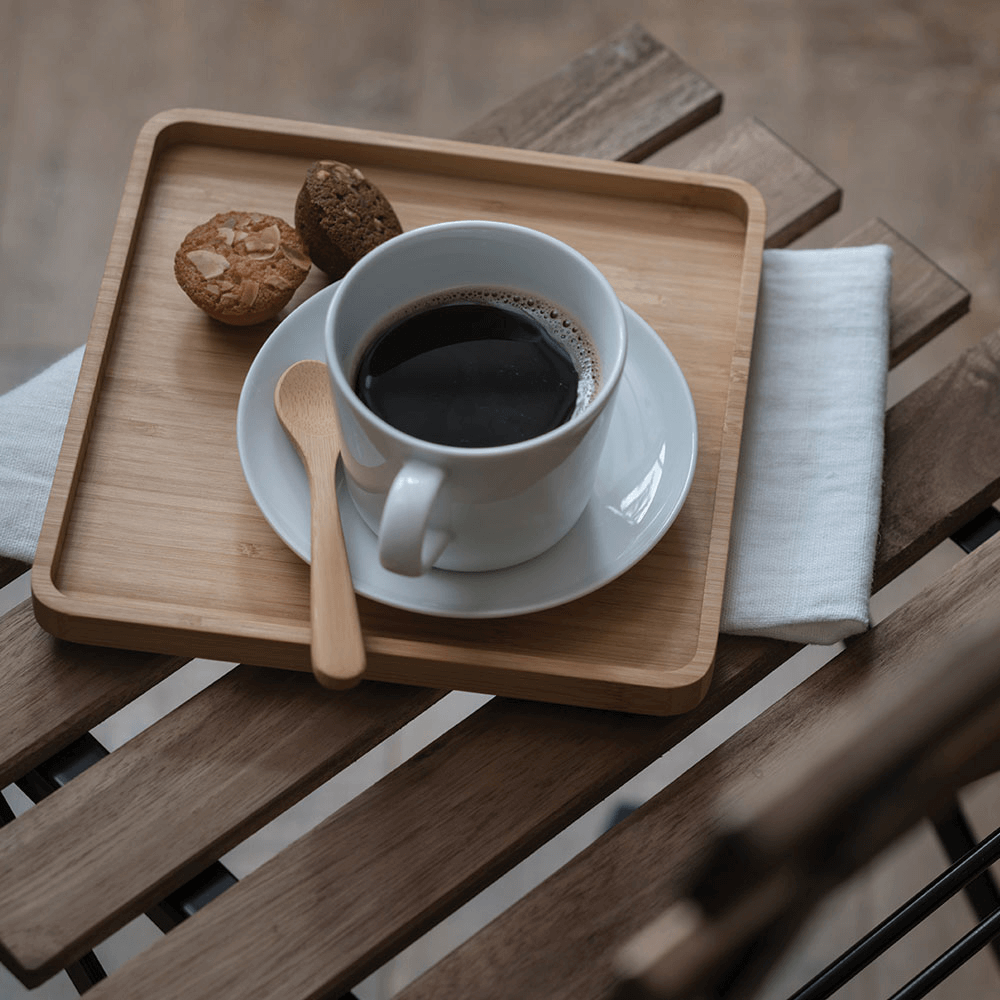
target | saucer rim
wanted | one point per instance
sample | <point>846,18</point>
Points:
<point>354,523</point>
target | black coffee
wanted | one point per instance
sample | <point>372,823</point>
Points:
<point>477,369</point>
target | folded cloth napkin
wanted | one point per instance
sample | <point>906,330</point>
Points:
<point>809,486</point>
<point>32,422</point>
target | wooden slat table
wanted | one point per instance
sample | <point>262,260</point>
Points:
<point>350,894</point>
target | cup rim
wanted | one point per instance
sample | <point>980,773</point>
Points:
<point>588,414</point>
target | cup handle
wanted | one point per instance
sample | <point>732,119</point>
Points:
<point>405,545</point>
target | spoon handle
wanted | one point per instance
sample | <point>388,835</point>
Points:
<point>337,646</point>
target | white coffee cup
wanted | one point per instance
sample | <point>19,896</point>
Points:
<point>456,508</point>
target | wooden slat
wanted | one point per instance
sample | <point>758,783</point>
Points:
<point>944,466</point>
<point>621,100</point>
<point>924,299</point>
<point>543,764</point>
<point>786,179</point>
<point>249,745</point>
<point>393,875</point>
<point>51,692</point>
<point>629,876</point>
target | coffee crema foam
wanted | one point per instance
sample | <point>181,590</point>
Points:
<point>557,323</point>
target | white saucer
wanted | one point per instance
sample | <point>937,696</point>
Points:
<point>645,474</point>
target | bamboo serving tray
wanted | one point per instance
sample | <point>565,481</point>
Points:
<point>151,538</point>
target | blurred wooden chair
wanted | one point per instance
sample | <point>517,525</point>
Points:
<point>775,855</point>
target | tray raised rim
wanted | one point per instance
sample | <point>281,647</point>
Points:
<point>99,621</point>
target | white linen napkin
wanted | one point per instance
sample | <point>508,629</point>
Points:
<point>809,487</point>
<point>32,421</point>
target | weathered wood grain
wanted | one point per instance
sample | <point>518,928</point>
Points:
<point>924,299</point>
<point>51,692</point>
<point>786,179</point>
<point>560,939</point>
<point>620,100</point>
<point>944,465</point>
<point>286,735</point>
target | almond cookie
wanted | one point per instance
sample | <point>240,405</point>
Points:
<point>341,215</point>
<point>241,267</point>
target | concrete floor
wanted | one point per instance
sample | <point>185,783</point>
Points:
<point>899,102</point>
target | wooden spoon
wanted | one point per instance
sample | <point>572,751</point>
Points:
<point>304,404</point>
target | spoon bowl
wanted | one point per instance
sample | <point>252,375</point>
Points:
<point>305,408</point>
